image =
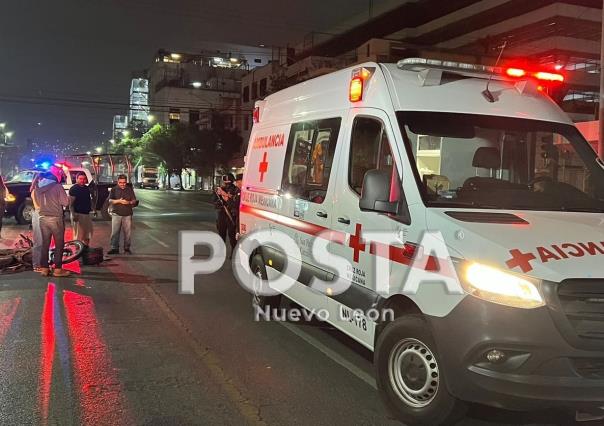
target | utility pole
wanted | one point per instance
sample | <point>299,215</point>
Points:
<point>601,110</point>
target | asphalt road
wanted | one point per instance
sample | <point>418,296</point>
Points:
<point>117,345</point>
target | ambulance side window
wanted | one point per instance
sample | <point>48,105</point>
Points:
<point>309,157</point>
<point>370,150</point>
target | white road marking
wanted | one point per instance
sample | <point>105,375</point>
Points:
<point>333,355</point>
<point>158,241</point>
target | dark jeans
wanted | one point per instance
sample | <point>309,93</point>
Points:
<point>226,227</point>
<point>52,227</point>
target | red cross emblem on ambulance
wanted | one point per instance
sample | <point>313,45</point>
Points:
<point>521,260</point>
<point>263,166</point>
<point>357,243</point>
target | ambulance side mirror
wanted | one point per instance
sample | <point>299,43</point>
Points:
<point>375,195</point>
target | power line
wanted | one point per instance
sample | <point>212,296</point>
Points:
<point>70,102</point>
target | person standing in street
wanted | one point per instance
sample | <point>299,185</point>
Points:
<point>236,202</point>
<point>122,200</point>
<point>81,206</point>
<point>3,195</point>
<point>35,226</point>
<point>227,208</point>
<point>52,199</point>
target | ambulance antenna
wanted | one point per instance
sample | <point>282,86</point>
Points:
<point>486,92</point>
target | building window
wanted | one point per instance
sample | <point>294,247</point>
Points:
<point>174,115</point>
<point>254,90</point>
<point>263,87</point>
<point>246,94</point>
<point>193,117</point>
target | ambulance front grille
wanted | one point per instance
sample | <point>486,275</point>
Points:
<point>590,368</point>
<point>582,301</point>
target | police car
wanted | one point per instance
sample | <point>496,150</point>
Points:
<point>473,169</point>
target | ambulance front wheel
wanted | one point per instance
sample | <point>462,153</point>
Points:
<point>259,301</point>
<point>408,375</point>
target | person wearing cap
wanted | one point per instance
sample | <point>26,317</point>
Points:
<point>227,208</point>
<point>52,199</point>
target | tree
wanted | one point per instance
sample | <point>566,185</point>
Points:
<point>216,146</point>
<point>174,145</point>
<point>182,146</point>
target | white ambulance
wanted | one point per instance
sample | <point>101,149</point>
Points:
<point>480,157</point>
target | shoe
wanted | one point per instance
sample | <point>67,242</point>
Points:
<point>45,272</point>
<point>113,251</point>
<point>127,251</point>
<point>60,273</point>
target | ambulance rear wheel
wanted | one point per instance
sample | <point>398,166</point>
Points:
<point>259,301</point>
<point>408,375</point>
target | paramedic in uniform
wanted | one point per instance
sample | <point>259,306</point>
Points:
<point>226,198</point>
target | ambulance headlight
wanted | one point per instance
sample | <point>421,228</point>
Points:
<point>494,285</point>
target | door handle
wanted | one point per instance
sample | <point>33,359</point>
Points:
<point>344,220</point>
<point>321,214</point>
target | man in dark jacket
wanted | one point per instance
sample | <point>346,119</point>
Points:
<point>52,199</point>
<point>81,206</point>
<point>226,202</point>
<point>122,200</point>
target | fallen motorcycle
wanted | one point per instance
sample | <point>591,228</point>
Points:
<point>20,258</point>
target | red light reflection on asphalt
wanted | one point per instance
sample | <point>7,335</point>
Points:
<point>8,309</point>
<point>99,389</point>
<point>47,352</point>
<point>73,267</point>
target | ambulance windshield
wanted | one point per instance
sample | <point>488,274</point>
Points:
<point>479,161</point>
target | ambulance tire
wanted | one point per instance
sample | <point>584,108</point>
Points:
<point>418,395</point>
<point>260,302</point>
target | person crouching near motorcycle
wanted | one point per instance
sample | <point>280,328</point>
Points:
<point>51,198</point>
<point>226,202</point>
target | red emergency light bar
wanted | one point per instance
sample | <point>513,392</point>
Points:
<point>539,75</point>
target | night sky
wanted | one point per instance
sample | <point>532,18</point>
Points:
<point>87,49</point>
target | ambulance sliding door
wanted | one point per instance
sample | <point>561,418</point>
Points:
<point>308,196</point>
